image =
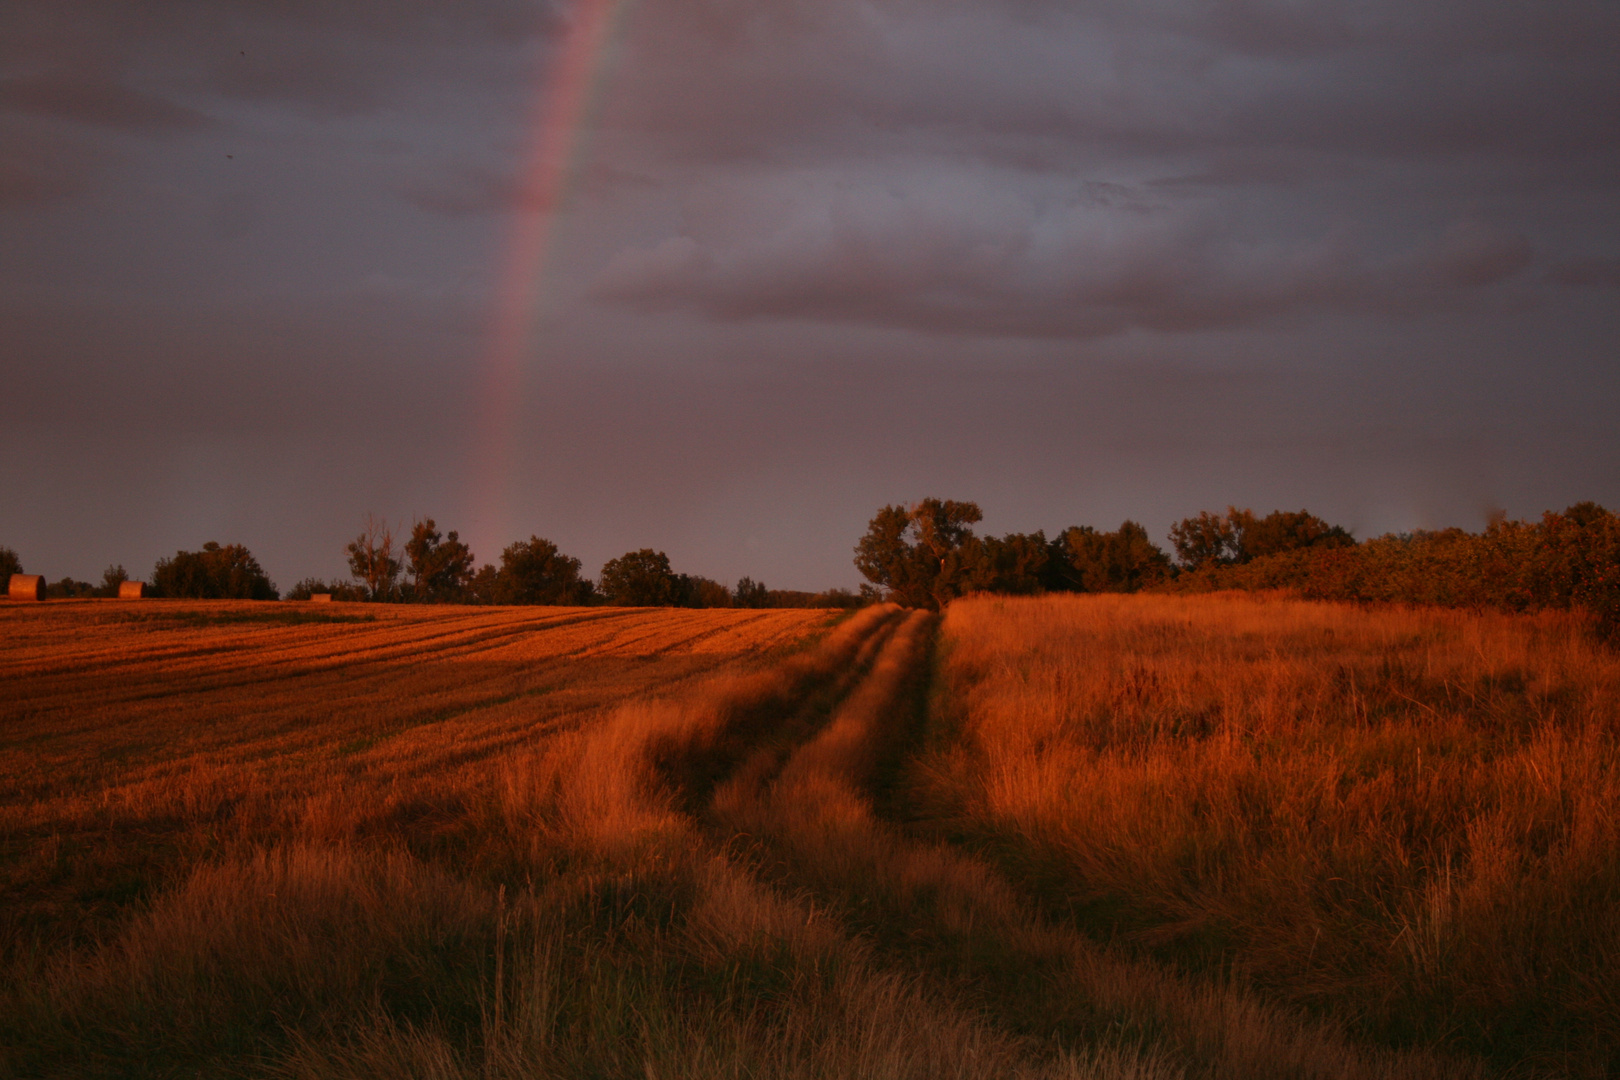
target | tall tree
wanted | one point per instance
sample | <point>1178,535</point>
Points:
<point>533,571</point>
<point>440,567</point>
<point>374,561</point>
<point>639,579</point>
<point>924,554</point>
<point>751,594</point>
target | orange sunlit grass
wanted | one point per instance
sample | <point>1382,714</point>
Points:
<point>1405,819</point>
<point>137,738</point>
<point>1120,838</point>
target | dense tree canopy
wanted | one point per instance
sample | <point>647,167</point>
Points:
<point>751,594</point>
<point>922,553</point>
<point>639,579</point>
<point>439,567</point>
<point>1237,536</point>
<point>1121,561</point>
<point>228,572</point>
<point>925,555</point>
<point>9,564</point>
<point>534,571</point>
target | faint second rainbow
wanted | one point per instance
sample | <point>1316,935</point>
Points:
<point>555,144</point>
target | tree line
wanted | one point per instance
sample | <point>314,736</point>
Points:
<point>435,567</point>
<point>925,555</point>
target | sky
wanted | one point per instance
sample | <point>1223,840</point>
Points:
<point>724,277</point>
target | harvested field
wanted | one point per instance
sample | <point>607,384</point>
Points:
<point>134,740</point>
<point>372,841</point>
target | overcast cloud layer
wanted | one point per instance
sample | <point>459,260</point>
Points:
<point>1077,262</point>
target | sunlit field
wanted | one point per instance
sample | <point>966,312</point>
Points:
<point>1404,820</point>
<point>1111,837</point>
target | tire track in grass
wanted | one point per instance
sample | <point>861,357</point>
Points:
<point>640,803</point>
<point>936,910</point>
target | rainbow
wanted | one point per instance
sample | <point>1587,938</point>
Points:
<point>555,146</point>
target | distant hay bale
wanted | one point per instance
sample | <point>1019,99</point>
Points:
<point>320,598</point>
<point>27,587</point>
<point>131,590</point>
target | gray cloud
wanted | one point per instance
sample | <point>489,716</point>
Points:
<point>1079,262</point>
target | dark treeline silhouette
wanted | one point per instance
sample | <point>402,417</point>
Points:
<point>228,572</point>
<point>926,554</point>
<point>438,567</point>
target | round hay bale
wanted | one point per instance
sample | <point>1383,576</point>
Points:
<point>132,590</point>
<point>320,598</point>
<point>26,587</point>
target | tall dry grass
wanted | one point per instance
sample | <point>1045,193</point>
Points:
<point>1405,819</point>
<point>817,821</point>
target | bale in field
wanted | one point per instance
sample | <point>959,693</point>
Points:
<point>27,587</point>
<point>131,590</point>
<point>320,598</point>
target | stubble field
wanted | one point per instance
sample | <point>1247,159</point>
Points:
<point>1082,837</point>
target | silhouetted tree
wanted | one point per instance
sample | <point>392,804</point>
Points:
<point>9,564</point>
<point>228,572</point>
<point>1237,536</point>
<point>440,567</point>
<point>750,594</point>
<point>373,560</point>
<point>1206,540</point>
<point>917,552</point>
<point>533,571</point>
<point>1085,560</point>
<point>1285,530</point>
<point>700,592</point>
<point>1016,563</point>
<point>639,579</point>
